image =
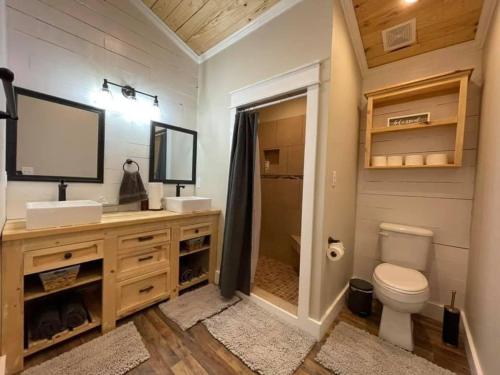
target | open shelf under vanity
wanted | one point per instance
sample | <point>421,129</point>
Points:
<point>92,300</point>
<point>194,257</point>
<point>87,287</point>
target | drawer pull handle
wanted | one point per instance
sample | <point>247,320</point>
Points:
<point>145,238</point>
<point>145,258</point>
<point>68,255</point>
<point>196,231</point>
<point>146,290</point>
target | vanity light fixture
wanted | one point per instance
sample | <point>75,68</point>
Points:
<point>155,110</point>
<point>130,93</point>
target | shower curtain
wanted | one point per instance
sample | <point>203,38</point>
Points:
<point>236,266</point>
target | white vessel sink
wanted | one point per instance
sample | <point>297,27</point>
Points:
<point>59,214</point>
<point>188,204</point>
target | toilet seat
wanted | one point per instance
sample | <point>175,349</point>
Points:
<point>400,279</point>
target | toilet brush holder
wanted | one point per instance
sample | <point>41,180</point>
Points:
<point>451,322</point>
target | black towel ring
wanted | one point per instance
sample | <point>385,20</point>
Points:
<point>130,161</point>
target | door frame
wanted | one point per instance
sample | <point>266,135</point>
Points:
<point>304,78</point>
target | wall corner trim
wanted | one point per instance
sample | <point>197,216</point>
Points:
<point>470,348</point>
<point>357,43</point>
<point>273,12</point>
<point>148,13</point>
<point>485,21</point>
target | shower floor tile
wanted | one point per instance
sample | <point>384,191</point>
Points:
<point>277,278</point>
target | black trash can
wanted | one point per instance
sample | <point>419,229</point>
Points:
<point>360,297</point>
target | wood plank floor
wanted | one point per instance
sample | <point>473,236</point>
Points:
<point>197,352</point>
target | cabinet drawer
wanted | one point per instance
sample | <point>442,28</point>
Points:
<point>139,292</point>
<point>143,260</point>
<point>144,238</point>
<point>197,230</point>
<point>62,256</point>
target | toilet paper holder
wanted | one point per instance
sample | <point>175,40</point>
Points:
<point>335,249</point>
<point>332,240</point>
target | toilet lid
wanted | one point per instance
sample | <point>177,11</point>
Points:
<point>400,278</point>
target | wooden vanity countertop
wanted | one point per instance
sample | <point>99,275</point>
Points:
<point>16,229</point>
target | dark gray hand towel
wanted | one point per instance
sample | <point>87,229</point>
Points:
<point>132,188</point>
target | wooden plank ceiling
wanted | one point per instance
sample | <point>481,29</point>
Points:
<point>204,23</point>
<point>440,23</point>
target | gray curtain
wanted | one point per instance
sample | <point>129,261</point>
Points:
<point>237,249</point>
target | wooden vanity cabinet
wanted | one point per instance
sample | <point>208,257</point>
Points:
<point>128,262</point>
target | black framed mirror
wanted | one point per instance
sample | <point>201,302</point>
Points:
<point>54,139</point>
<point>172,154</point>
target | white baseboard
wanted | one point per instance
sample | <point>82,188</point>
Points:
<point>470,348</point>
<point>217,277</point>
<point>333,311</point>
<point>316,328</point>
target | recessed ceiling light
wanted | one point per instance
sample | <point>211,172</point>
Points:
<point>410,1</point>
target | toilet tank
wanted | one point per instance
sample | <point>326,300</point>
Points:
<point>405,246</point>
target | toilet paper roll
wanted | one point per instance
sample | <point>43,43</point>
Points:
<point>335,251</point>
<point>155,194</point>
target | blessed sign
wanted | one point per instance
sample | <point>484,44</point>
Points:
<point>418,118</point>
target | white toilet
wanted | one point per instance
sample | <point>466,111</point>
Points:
<point>399,284</point>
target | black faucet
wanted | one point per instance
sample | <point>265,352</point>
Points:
<point>62,190</point>
<point>178,189</point>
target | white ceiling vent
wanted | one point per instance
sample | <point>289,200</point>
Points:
<point>399,36</point>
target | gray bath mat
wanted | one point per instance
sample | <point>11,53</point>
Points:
<point>114,353</point>
<point>266,344</point>
<point>352,351</point>
<point>192,307</point>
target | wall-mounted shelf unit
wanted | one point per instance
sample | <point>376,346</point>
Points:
<point>398,99</point>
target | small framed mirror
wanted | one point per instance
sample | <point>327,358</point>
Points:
<point>172,158</point>
<point>54,139</point>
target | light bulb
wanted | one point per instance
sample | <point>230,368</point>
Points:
<point>410,1</point>
<point>155,110</point>
<point>105,97</point>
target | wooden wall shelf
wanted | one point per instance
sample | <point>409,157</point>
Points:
<point>432,124</point>
<point>455,83</point>
<point>415,166</point>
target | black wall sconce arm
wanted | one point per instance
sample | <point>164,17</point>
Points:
<point>128,91</point>
<point>7,78</point>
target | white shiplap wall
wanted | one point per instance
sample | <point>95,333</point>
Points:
<point>66,47</point>
<point>438,199</point>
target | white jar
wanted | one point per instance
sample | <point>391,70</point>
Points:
<point>379,161</point>
<point>414,160</point>
<point>395,161</point>
<point>436,159</point>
